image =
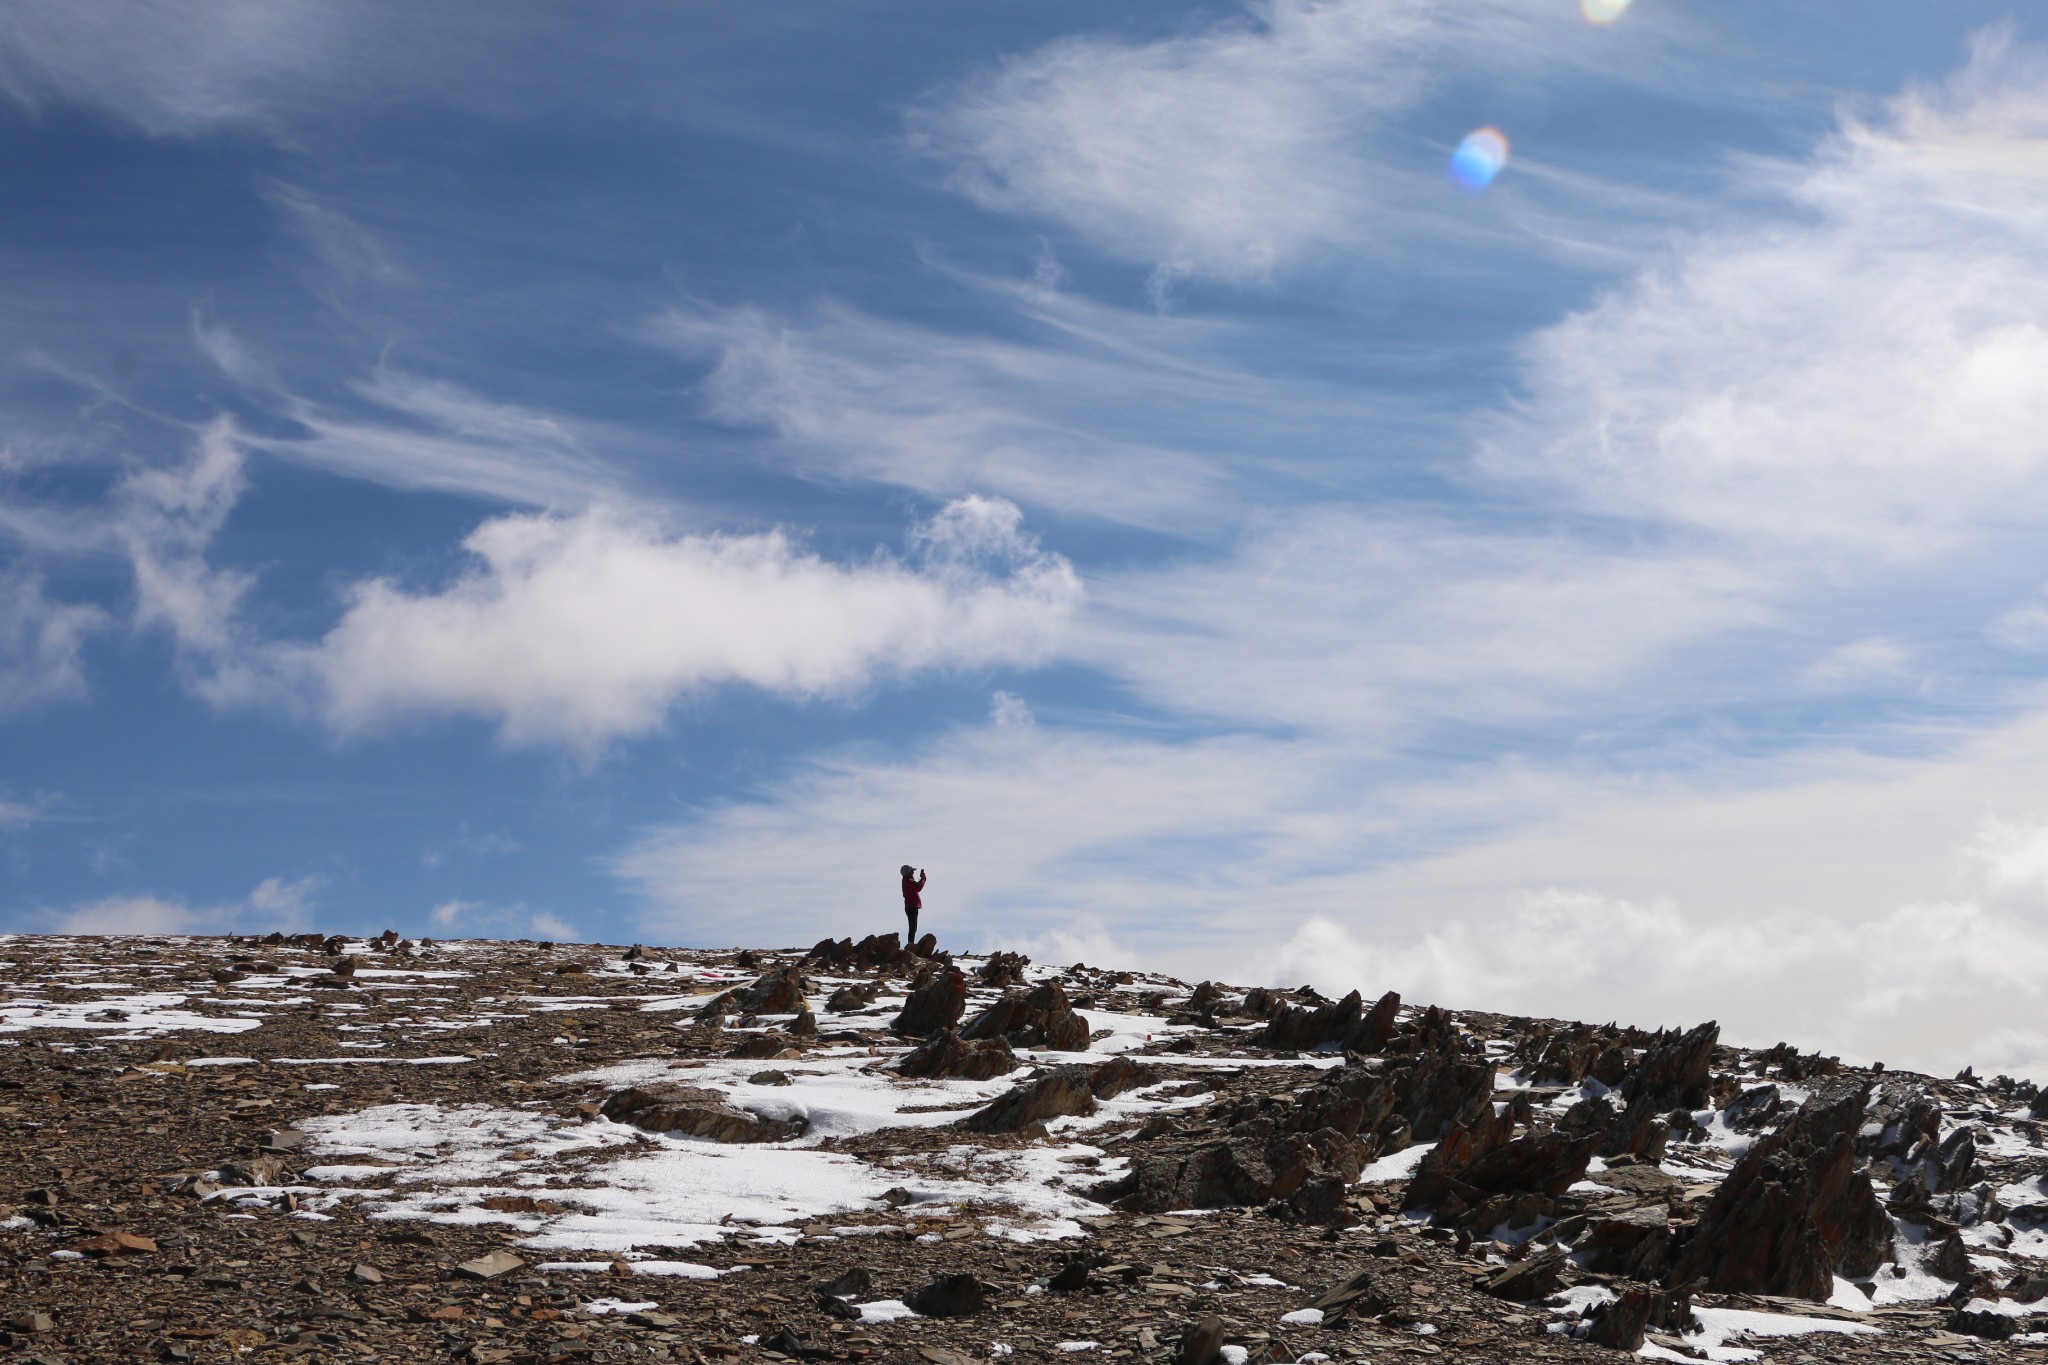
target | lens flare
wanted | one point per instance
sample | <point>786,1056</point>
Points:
<point>1603,11</point>
<point>1479,159</point>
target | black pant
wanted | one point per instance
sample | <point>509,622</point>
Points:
<point>911,911</point>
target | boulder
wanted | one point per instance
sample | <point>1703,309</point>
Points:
<point>1055,1093</point>
<point>937,1000</point>
<point>1201,1343</point>
<point>1536,1163</point>
<point>1538,1277</point>
<point>949,1296</point>
<point>1002,969</point>
<point>694,1112</point>
<point>779,990</point>
<point>946,1055</point>
<point>1039,1017</point>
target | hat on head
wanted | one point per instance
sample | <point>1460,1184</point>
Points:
<point>906,869</point>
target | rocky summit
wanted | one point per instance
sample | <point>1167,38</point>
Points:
<point>320,1149</point>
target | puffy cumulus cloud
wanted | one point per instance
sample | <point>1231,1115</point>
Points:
<point>581,629</point>
<point>41,644</point>
<point>274,903</point>
<point>1859,377</point>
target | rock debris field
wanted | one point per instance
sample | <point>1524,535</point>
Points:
<point>316,1149</point>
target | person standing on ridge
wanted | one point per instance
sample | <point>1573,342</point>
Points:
<point>913,901</point>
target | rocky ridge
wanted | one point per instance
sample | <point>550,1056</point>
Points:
<point>326,1149</point>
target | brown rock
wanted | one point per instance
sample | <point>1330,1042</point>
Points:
<point>1201,1343</point>
<point>945,1054</point>
<point>937,1000</point>
<point>1536,1278</point>
<point>949,1296</point>
<point>1060,1091</point>
<point>1301,1029</point>
<point>1034,1018</point>
<point>490,1266</point>
<point>666,1108</point>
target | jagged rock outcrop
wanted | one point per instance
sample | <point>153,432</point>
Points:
<point>858,996</point>
<point>947,1055</point>
<point>779,990</point>
<point>1039,1017</point>
<point>1675,1071</point>
<point>1059,1092</point>
<point>1475,1172</point>
<point>1304,1173</point>
<point>1002,969</point>
<point>1305,1029</point>
<point>873,952</point>
<point>1444,1084</point>
<point>936,1001</point>
<point>1796,1209</point>
<point>694,1112</point>
<point>1376,1029</point>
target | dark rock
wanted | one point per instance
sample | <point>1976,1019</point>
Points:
<point>1201,1343</point>
<point>1443,1086</point>
<point>1676,1071</point>
<point>852,1284</point>
<point>874,951</point>
<point>1002,969</point>
<point>1756,1109</point>
<point>1306,1173</point>
<point>1951,1259</point>
<point>847,999</point>
<point>1040,1017</point>
<point>1377,1027</point>
<point>695,1112</point>
<point>1306,1029</point>
<point>762,1046</point>
<point>937,1000</point>
<point>1538,1163</point>
<point>949,1296</point>
<point>1538,1277</point>
<point>1622,1323</point>
<point>1362,1296</point>
<point>779,990</point>
<point>1985,1323</point>
<point>1796,1209</point>
<point>947,1055</point>
<point>1060,1091</point>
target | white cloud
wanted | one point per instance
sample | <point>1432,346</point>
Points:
<point>1241,147</point>
<point>582,629</point>
<point>479,919</point>
<point>275,903</point>
<point>41,642</point>
<point>1859,378</point>
<point>1370,626</point>
<point>1053,425</point>
<point>1877,661</point>
<point>1882,907</point>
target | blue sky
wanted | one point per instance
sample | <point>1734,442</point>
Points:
<point>644,474</point>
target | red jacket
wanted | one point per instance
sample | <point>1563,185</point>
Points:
<point>911,900</point>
